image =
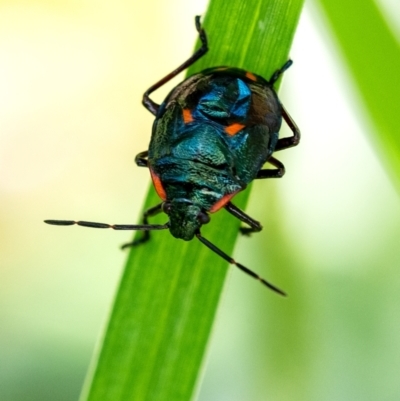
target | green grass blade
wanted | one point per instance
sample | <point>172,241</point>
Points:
<point>372,54</point>
<point>163,312</point>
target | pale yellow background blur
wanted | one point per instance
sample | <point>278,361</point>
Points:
<point>72,75</point>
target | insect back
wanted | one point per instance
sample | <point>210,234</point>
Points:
<point>211,137</point>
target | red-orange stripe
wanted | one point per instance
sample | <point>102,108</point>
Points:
<point>158,185</point>
<point>221,203</point>
<point>187,116</point>
<point>251,76</point>
<point>234,128</point>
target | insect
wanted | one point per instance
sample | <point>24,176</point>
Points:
<point>211,137</point>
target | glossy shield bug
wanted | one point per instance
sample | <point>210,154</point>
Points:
<point>211,137</point>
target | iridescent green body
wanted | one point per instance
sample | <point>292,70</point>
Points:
<point>210,138</point>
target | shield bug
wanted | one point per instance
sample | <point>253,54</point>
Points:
<point>211,137</point>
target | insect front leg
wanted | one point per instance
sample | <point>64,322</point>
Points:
<point>146,234</point>
<point>153,106</point>
<point>255,226</point>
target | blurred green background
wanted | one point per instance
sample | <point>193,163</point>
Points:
<point>71,79</point>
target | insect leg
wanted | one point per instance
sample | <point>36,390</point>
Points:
<point>275,173</point>
<point>240,266</point>
<point>146,234</point>
<point>141,159</point>
<point>285,143</point>
<point>275,76</point>
<point>147,102</point>
<point>255,226</point>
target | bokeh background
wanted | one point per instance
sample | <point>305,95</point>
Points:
<point>72,74</point>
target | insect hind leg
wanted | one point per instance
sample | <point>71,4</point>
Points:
<point>153,106</point>
<point>289,142</point>
<point>275,76</point>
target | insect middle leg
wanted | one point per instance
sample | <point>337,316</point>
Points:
<point>272,173</point>
<point>255,226</point>
<point>141,159</point>
<point>145,220</point>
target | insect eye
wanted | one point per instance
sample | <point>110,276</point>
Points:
<point>166,207</point>
<point>203,218</point>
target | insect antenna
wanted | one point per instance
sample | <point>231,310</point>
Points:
<point>141,227</point>
<point>240,266</point>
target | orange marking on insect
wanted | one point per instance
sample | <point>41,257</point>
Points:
<point>251,76</point>
<point>234,128</point>
<point>187,116</point>
<point>158,185</point>
<point>222,202</point>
